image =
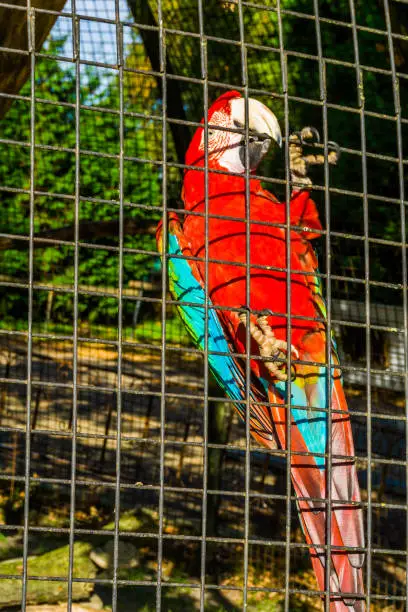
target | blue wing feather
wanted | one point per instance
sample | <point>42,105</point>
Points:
<point>312,424</point>
<point>185,287</point>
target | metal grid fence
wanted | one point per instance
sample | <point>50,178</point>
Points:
<point>106,418</point>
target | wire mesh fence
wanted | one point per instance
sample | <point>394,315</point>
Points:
<point>127,476</point>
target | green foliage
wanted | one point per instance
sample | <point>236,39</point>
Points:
<point>55,172</point>
<point>98,168</point>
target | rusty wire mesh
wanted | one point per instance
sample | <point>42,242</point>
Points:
<point>101,420</point>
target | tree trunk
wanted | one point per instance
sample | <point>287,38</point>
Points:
<point>15,67</point>
<point>218,428</point>
<point>143,14</point>
<point>54,563</point>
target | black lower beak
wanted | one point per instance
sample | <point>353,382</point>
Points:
<point>257,149</point>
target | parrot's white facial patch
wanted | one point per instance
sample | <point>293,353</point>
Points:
<point>223,145</point>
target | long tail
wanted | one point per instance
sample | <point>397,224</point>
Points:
<point>309,477</point>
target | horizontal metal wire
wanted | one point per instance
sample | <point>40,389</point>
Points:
<point>255,5</point>
<point>25,343</point>
<point>334,190</point>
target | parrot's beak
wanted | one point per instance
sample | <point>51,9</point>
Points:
<point>263,127</point>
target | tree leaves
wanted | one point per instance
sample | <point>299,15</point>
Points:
<point>55,174</point>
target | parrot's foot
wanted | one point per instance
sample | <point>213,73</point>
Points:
<point>299,163</point>
<point>271,348</point>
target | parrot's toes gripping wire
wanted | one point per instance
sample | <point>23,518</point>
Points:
<point>299,162</point>
<point>271,348</point>
<point>307,136</point>
<point>334,152</point>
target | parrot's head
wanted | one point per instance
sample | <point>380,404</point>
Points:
<point>226,149</point>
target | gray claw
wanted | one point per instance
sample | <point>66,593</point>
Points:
<point>333,146</point>
<point>266,313</point>
<point>310,141</point>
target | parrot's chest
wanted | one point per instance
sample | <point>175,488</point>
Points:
<point>245,264</point>
<point>234,259</point>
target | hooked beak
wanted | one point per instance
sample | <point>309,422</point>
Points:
<point>263,127</point>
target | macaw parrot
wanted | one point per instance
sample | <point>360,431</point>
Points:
<point>210,287</point>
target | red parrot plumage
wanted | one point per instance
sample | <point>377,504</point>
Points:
<point>221,221</point>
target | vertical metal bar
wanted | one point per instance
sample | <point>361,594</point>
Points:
<point>119,57</point>
<point>398,112</point>
<point>27,462</point>
<point>248,305</point>
<point>323,101</point>
<point>361,105</point>
<point>162,52</point>
<point>76,51</point>
<point>328,358</point>
<point>283,63</point>
<point>204,76</point>
<point>329,372</point>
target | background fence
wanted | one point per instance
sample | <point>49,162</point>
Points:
<point>104,428</point>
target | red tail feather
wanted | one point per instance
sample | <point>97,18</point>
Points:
<point>309,482</point>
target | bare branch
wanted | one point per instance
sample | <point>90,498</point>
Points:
<point>88,230</point>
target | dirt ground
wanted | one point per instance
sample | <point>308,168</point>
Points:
<point>92,413</point>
